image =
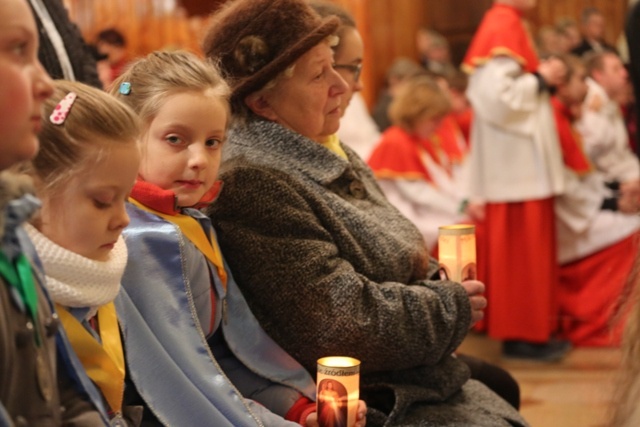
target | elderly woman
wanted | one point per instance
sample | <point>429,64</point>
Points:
<point>327,265</point>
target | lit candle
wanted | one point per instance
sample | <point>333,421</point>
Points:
<point>457,252</point>
<point>338,391</point>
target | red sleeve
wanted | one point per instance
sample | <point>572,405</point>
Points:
<point>301,410</point>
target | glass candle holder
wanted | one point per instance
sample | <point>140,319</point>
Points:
<point>338,385</point>
<point>457,252</point>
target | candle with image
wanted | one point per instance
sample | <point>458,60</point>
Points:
<point>457,252</point>
<point>338,391</point>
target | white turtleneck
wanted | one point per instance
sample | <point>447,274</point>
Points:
<point>75,281</point>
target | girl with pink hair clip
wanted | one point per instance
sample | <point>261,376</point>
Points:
<point>83,174</point>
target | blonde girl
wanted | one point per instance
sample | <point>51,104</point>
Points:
<point>188,329</point>
<point>83,174</point>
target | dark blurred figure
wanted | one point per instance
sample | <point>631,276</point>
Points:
<point>632,33</point>
<point>592,27</point>
<point>112,43</point>
<point>400,70</point>
<point>63,52</point>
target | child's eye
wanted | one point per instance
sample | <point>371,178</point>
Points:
<point>174,139</point>
<point>213,143</point>
<point>100,204</point>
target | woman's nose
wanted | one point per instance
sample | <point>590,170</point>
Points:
<point>339,86</point>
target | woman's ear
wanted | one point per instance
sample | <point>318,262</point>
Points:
<point>258,103</point>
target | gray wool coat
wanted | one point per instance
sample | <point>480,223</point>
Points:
<point>329,267</point>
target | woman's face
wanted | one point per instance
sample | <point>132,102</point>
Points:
<point>348,62</point>
<point>308,102</point>
<point>25,85</point>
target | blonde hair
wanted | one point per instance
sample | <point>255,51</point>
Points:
<point>69,148</point>
<point>625,411</point>
<point>161,74</point>
<point>573,63</point>
<point>417,97</point>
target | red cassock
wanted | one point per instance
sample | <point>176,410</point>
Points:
<point>590,287</point>
<point>521,270</point>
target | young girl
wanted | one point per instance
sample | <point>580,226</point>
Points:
<point>414,171</point>
<point>84,173</point>
<point>39,374</point>
<point>186,325</point>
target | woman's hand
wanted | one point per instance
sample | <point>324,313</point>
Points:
<point>475,289</point>
<point>361,416</point>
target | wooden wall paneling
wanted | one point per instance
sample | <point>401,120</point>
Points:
<point>388,29</point>
<point>457,20</point>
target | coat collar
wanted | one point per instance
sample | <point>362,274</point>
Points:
<point>280,148</point>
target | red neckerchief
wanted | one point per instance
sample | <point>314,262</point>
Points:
<point>450,135</point>
<point>164,201</point>
<point>501,33</point>
<point>464,119</point>
<point>570,142</point>
<point>397,155</point>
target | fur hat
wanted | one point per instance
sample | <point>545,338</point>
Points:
<point>255,40</point>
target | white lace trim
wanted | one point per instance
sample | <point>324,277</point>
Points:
<point>76,281</point>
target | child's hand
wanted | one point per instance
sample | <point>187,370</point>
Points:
<point>361,416</point>
<point>476,211</point>
<point>553,71</point>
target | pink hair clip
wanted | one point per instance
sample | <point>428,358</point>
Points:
<point>60,113</point>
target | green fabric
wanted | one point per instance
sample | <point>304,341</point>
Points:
<point>20,277</point>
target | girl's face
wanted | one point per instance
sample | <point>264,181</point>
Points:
<point>89,214</point>
<point>348,63</point>
<point>182,147</point>
<point>426,125</point>
<point>24,83</point>
<point>308,102</point>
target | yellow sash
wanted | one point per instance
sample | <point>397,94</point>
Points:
<point>192,229</point>
<point>104,363</point>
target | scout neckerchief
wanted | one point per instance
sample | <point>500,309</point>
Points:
<point>192,229</point>
<point>104,363</point>
<point>154,199</point>
<point>20,277</point>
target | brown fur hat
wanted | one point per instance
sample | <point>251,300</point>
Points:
<point>255,40</point>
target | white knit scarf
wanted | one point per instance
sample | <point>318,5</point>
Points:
<point>76,281</point>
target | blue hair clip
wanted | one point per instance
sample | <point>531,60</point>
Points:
<point>125,88</point>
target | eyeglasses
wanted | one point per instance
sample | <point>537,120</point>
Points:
<point>355,69</point>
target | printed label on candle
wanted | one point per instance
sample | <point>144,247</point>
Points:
<point>338,391</point>
<point>457,253</point>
